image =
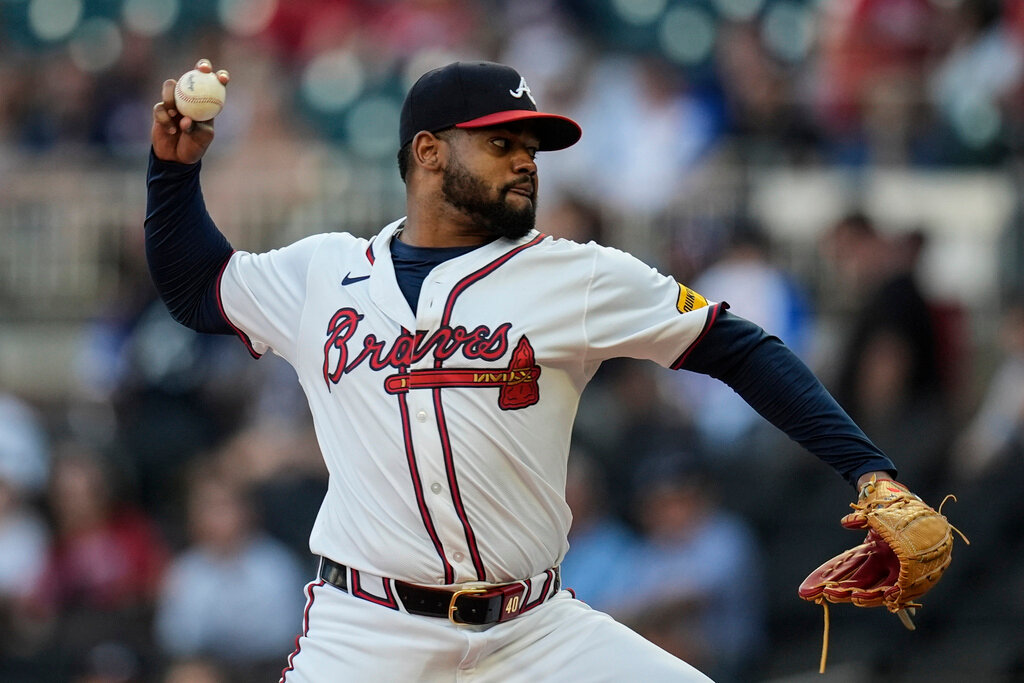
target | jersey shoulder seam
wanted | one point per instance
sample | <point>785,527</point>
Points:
<point>586,310</point>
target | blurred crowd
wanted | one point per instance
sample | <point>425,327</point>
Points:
<point>921,82</point>
<point>153,524</point>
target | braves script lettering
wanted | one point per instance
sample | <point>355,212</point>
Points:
<point>480,343</point>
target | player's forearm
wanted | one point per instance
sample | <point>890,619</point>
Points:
<point>778,385</point>
<point>184,248</point>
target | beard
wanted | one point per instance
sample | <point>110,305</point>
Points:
<point>471,195</point>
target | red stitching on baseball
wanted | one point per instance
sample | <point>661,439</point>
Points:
<point>182,95</point>
<point>198,100</point>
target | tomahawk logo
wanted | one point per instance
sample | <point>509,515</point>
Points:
<point>517,383</point>
<point>523,89</point>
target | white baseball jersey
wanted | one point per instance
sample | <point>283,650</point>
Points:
<point>446,430</point>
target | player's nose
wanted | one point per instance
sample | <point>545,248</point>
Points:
<point>524,163</point>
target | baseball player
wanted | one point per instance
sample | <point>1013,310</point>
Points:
<point>443,360</point>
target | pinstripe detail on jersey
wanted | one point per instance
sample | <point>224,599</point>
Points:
<point>220,305</point>
<point>387,601</point>
<point>479,275</point>
<point>708,322</point>
<point>410,454</point>
<point>453,484</point>
<point>305,629</point>
<point>442,426</point>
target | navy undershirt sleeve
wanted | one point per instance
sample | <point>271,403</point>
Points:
<point>777,384</point>
<point>184,248</point>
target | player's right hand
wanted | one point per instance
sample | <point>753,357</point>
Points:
<point>178,138</point>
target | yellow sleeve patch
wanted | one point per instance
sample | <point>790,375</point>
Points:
<point>689,300</point>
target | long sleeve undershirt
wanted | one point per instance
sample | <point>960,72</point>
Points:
<point>184,248</point>
<point>186,253</point>
<point>784,391</point>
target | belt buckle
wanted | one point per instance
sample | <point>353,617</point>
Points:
<point>452,608</point>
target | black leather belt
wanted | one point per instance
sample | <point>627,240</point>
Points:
<point>477,606</point>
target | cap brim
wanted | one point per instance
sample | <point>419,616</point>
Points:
<point>553,131</point>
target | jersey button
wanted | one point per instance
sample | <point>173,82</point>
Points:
<point>421,416</point>
<point>435,487</point>
<point>458,557</point>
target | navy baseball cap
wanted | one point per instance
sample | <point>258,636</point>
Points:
<point>479,95</point>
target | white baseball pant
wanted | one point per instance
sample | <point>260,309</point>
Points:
<point>346,638</point>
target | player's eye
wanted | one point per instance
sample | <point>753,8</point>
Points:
<point>532,151</point>
<point>500,142</point>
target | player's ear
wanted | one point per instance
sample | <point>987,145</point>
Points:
<point>429,151</point>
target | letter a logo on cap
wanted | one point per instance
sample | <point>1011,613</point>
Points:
<point>521,90</point>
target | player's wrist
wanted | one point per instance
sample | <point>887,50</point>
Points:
<point>172,166</point>
<point>878,475</point>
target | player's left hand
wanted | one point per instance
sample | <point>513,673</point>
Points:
<point>178,138</point>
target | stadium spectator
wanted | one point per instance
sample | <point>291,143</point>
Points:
<point>888,377</point>
<point>694,580</point>
<point>976,83</point>
<point>24,544</point>
<point>24,445</point>
<point>624,417</point>
<point>232,594</point>
<point>680,125</point>
<point>600,543</point>
<point>995,433</point>
<point>869,77</point>
<point>279,463</point>
<point>758,290</point>
<point>102,572</point>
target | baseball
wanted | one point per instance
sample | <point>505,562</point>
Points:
<point>199,96</point>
